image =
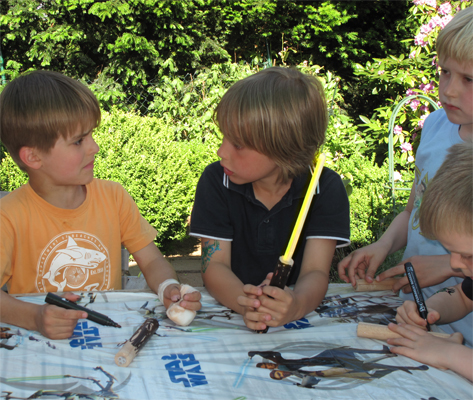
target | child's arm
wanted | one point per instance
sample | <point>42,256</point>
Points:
<point>288,305</point>
<point>51,321</point>
<point>441,353</point>
<point>225,286</point>
<point>445,306</point>
<point>217,275</point>
<point>364,262</point>
<point>451,303</point>
<point>430,271</point>
<point>156,270</point>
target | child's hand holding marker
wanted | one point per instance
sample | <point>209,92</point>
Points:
<point>409,314</point>
<point>417,293</point>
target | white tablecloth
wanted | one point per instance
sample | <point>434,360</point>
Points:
<point>217,357</point>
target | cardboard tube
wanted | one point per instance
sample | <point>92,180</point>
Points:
<point>131,348</point>
<point>382,332</point>
<point>363,286</point>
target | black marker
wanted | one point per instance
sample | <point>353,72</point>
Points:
<point>419,298</point>
<point>94,316</point>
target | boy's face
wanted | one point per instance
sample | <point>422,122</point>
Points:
<point>244,165</point>
<point>461,251</point>
<point>71,161</point>
<point>456,93</point>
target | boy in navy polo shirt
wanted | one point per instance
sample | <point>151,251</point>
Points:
<point>273,123</point>
<point>446,214</point>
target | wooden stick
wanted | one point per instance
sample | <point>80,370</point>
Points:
<point>382,332</point>
<point>131,348</point>
<point>363,286</point>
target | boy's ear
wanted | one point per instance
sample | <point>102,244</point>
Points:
<point>30,157</point>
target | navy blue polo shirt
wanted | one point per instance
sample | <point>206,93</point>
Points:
<point>229,212</point>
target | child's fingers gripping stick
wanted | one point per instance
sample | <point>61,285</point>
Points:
<point>179,315</point>
<point>163,286</point>
<point>382,332</point>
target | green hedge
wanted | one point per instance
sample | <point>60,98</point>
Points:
<point>161,174</point>
<point>370,201</point>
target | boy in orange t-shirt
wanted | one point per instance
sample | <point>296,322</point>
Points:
<point>63,230</point>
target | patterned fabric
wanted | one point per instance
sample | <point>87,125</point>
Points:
<point>217,357</point>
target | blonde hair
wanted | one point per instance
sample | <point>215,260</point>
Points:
<point>447,204</point>
<point>456,39</point>
<point>278,112</point>
<point>38,107</point>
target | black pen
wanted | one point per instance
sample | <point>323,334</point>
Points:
<point>94,316</point>
<point>417,293</point>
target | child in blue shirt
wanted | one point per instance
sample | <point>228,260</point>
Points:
<point>442,129</point>
<point>446,214</point>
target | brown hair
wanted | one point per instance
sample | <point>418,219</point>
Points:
<point>447,204</point>
<point>456,39</point>
<point>38,107</point>
<point>278,112</point>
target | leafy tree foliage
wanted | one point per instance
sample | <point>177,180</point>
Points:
<point>132,41</point>
<point>129,41</point>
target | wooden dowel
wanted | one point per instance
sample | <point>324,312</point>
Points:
<point>363,286</point>
<point>382,332</point>
<point>131,348</point>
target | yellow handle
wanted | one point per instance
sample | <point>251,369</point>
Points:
<point>287,257</point>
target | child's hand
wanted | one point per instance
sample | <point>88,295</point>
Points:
<point>169,292</point>
<point>254,319</point>
<point>181,312</point>
<point>421,345</point>
<point>267,280</point>
<point>250,303</point>
<point>280,306</point>
<point>254,292</point>
<point>408,314</point>
<point>191,301</point>
<point>58,323</point>
<point>362,263</point>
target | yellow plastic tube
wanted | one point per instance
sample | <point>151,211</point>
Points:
<point>287,257</point>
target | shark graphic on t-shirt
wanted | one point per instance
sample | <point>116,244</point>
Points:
<point>72,262</point>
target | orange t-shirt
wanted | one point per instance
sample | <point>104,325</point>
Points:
<point>48,249</point>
